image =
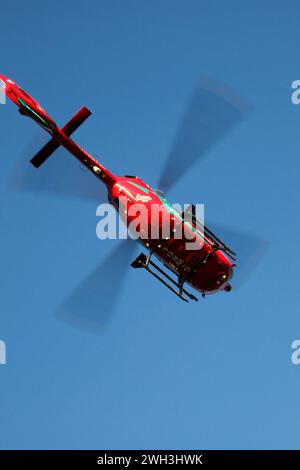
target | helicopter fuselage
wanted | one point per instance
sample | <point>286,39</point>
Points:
<point>206,267</point>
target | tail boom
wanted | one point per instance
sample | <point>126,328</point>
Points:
<point>85,158</point>
<point>53,144</point>
<point>29,107</point>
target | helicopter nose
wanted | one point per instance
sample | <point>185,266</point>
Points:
<point>224,276</point>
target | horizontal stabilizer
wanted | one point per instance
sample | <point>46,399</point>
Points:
<point>53,144</point>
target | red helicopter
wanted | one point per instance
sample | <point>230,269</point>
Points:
<point>209,269</point>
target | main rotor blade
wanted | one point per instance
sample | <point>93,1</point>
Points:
<point>248,248</point>
<point>91,304</point>
<point>60,175</point>
<point>213,110</point>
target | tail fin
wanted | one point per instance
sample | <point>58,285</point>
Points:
<point>53,144</point>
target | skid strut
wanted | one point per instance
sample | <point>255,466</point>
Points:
<point>216,243</point>
<point>144,261</point>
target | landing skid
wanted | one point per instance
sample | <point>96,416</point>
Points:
<point>144,261</point>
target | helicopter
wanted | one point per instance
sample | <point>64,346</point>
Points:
<point>209,268</point>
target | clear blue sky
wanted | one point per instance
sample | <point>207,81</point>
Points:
<point>164,374</point>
